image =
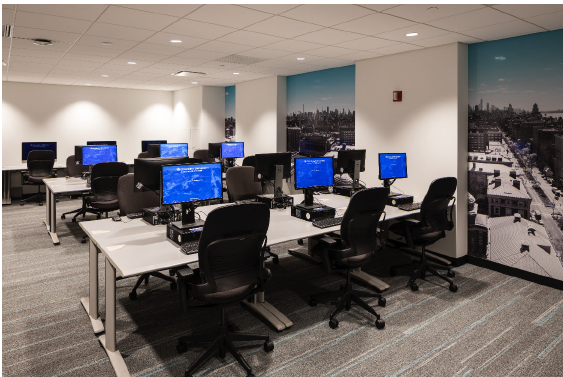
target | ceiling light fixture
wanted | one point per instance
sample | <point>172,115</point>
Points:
<point>236,73</point>
<point>412,34</point>
<point>131,63</point>
<point>432,8</point>
<point>175,41</point>
<point>88,84</point>
<point>300,58</point>
<point>4,63</point>
<point>105,75</point>
<point>42,42</point>
<point>188,74</point>
<point>107,43</point>
<point>194,82</point>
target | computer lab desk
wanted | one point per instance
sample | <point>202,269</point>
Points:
<point>7,179</point>
<point>133,247</point>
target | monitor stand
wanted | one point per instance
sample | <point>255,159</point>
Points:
<point>308,203</point>
<point>278,199</point>
<point>188,218</point>
<point>350,190</point>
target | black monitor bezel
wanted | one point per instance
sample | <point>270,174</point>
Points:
<point>93,143</point>
<point>314,158</point>
<point>24,158</point>
<point>139,174</point>
<point>195,201</point>
<point>232,142</point>
<point>214,150</point>
<point>259,156</point>
<point>145,144</point>
<point>379,165</point>
<point>350,169</point>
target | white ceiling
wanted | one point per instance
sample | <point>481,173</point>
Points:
<point>326,35</point>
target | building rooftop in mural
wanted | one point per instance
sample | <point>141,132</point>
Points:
<point>509,191</point>
<point>523,244</point>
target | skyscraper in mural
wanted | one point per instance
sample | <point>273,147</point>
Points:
<point>321,111</point>
<point>230,111</point>
<point>516,152</point>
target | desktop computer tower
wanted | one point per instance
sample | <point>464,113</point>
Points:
<point>181,236</point>
<point>316,212</point>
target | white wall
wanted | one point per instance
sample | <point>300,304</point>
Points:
<point>72,115</point>
<point>212,115</point>
<point>430,124</point>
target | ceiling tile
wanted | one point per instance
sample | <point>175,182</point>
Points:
<point>133,55</point>
<point>25,78</point>
<point>32,68</point>
<point>270,8</point>
<point>379,7</point>
<point>198,29</point>
<point>201,54</point>
<point>88,12</point>
<point>142,75</point>
<point>228,15</point>
<point>135,18</point>
<point>505,30</point>
<point>265,53</point>
<point>46,22</point>
<point>428,12</point>
<point>71,71</point>
<point>331,51</point>
<point>231,48</point>
<point>116,44</point>
<point>471,20</point>
<point>36,53</point>
<point>446,39</point>
<point>152,48</point>
<point>308,58</point>
<point>375,24</point>
<point>395,49</point>
<point>32,59</point>
<point>552,21</point>
<point>327,14</point>
<point>112,73</point>
<point>529,10</point>
<point>8,6</point>
<point>184,61</point>
<point>294,46</point>
<point>64,62</point>
<point>98,51</point>
<point>367,43</point>
<point>258,68</point>
<point>220,65</point>
<point>59,36</point>
<point>424,31</point>
<point>86,58</point>
<point>361,55</point>
<point>332,62</point>
<point>274,63</point>
<point>178,10</point>
<point>57,81</point>
<point>250,38</point>
<point>28,45</point>
<point>283,27</point>
<point>165,38</point>
<point>101,29</point>
<point>7,16</point>
<point>329,36</point>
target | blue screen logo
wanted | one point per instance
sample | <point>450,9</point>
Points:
<point>189,183</point>
<point>393,165</point>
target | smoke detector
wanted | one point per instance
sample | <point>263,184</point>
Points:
<point>42,42</point>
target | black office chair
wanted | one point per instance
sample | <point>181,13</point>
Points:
<point>203,155</point>
<point>231,269</point>
<point>143,155</point>
<point>39,166</point>
<point>356,246</point>
<point>249,161</point>
<point>104,178</point>
<point>435,220</point>
<point>74,170</point>
<point>131,201</point>
<point>241,185</point>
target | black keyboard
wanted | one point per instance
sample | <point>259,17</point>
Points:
<point>136,215</point>
<point>410,206</point>
<point>327,222</point>
<point>393,193</point>
<point>191,247</point>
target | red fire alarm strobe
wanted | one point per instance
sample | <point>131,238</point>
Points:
<point>397,96</point>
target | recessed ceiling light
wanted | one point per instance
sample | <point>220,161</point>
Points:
<point>107,43</point>
<point>194,82</point>
<point>412,34</point>
<point>88,84</point>
<point>105,75</point>
<point>432,8</point>
<point>131,63</point>
<point>4,63</point>
<point>236,73</point>
<point>42,42</point>
<point>300,58</point>
<point>176,41</point>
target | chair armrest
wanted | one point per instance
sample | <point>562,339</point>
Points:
<point>410,222</point>
<point>184,273</point>
<point>327,241</point>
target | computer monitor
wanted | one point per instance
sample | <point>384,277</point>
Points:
<point>188,183</point>
<point>145,143</point>
<point>101,143</point>
<point>265,168</point>
<point>41,146</point>
<point>147,171</point>
<point>392,166</point>
<point>174,150</point>
<point>215,150</point>
<point>311,173</point>
<point>153,150</point>
<point>347,158</point>
<point>232,150</point>
<point>94,154</point>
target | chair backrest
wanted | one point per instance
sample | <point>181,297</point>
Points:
<point>109,169</point>
<point>40,163</point>
<point>231,246</point>
<point>143,155</point>
<point>73,169</point>
<point>434,207</point>
<point>203,155</point>
<point>358,229</point>
<point>249,161</point>
<point>131,201</point>
<point>105,177</point>
<point>240,183</point>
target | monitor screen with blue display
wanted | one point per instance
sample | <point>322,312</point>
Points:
<point>232,150</point>
<point>101,143</point>
<point>392,165</point>
<point>47,146</point>
<point>190,183</point>
<point>174,150</point>
<point>92,155</point>
<point>145,143</point>
<point>313,172</point>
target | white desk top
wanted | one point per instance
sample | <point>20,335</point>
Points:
<point>66,185</point>
<point>134,247</point>
<point>23,166</point>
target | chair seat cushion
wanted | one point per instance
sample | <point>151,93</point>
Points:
<point>110,204</point>
<point>231,295</point>
<point>400,229</point>
<point>36,179</point>
<point>345,258</point>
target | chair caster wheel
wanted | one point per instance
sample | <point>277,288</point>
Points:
<point>300,241</point>
<point>73,220</point>
<point>268,346</point>
<point>99,216</point>
<point>171,272</point>
<point>453,287</point>
<point>312,302</point>
<point>380,324</point>
<point>181,348</point>
<point>392,272</point>
<point>348,306</point>
<point>173,286</point>
<point>333,323</point>
<point>250,375</point>
<point>132,296</point>
<point>22,203</point>
<point>414,287</point>
<point>40,204</point>
<point>63,217</point>
<point>276,260</point>
<point>451,274</point>
<point>382,302</point>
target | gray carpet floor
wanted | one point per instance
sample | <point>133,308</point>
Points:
<point>495,325</point>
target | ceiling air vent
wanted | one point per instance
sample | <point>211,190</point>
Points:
<point>240,59</point>
<point>7,30</point>
<point>189,74</point>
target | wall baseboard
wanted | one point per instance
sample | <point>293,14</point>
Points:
<point>516,272</point>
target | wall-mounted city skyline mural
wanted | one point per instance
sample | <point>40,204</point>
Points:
<point>516,152</point>
<point>321,111</point>
<point>230,112</point>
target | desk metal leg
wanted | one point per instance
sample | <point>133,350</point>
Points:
<point>108,340</point>
<point>263,308</point>
<point>6,187</point>
<point>51,220</point>
<point>90,303</point>
<point>369,280</point>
